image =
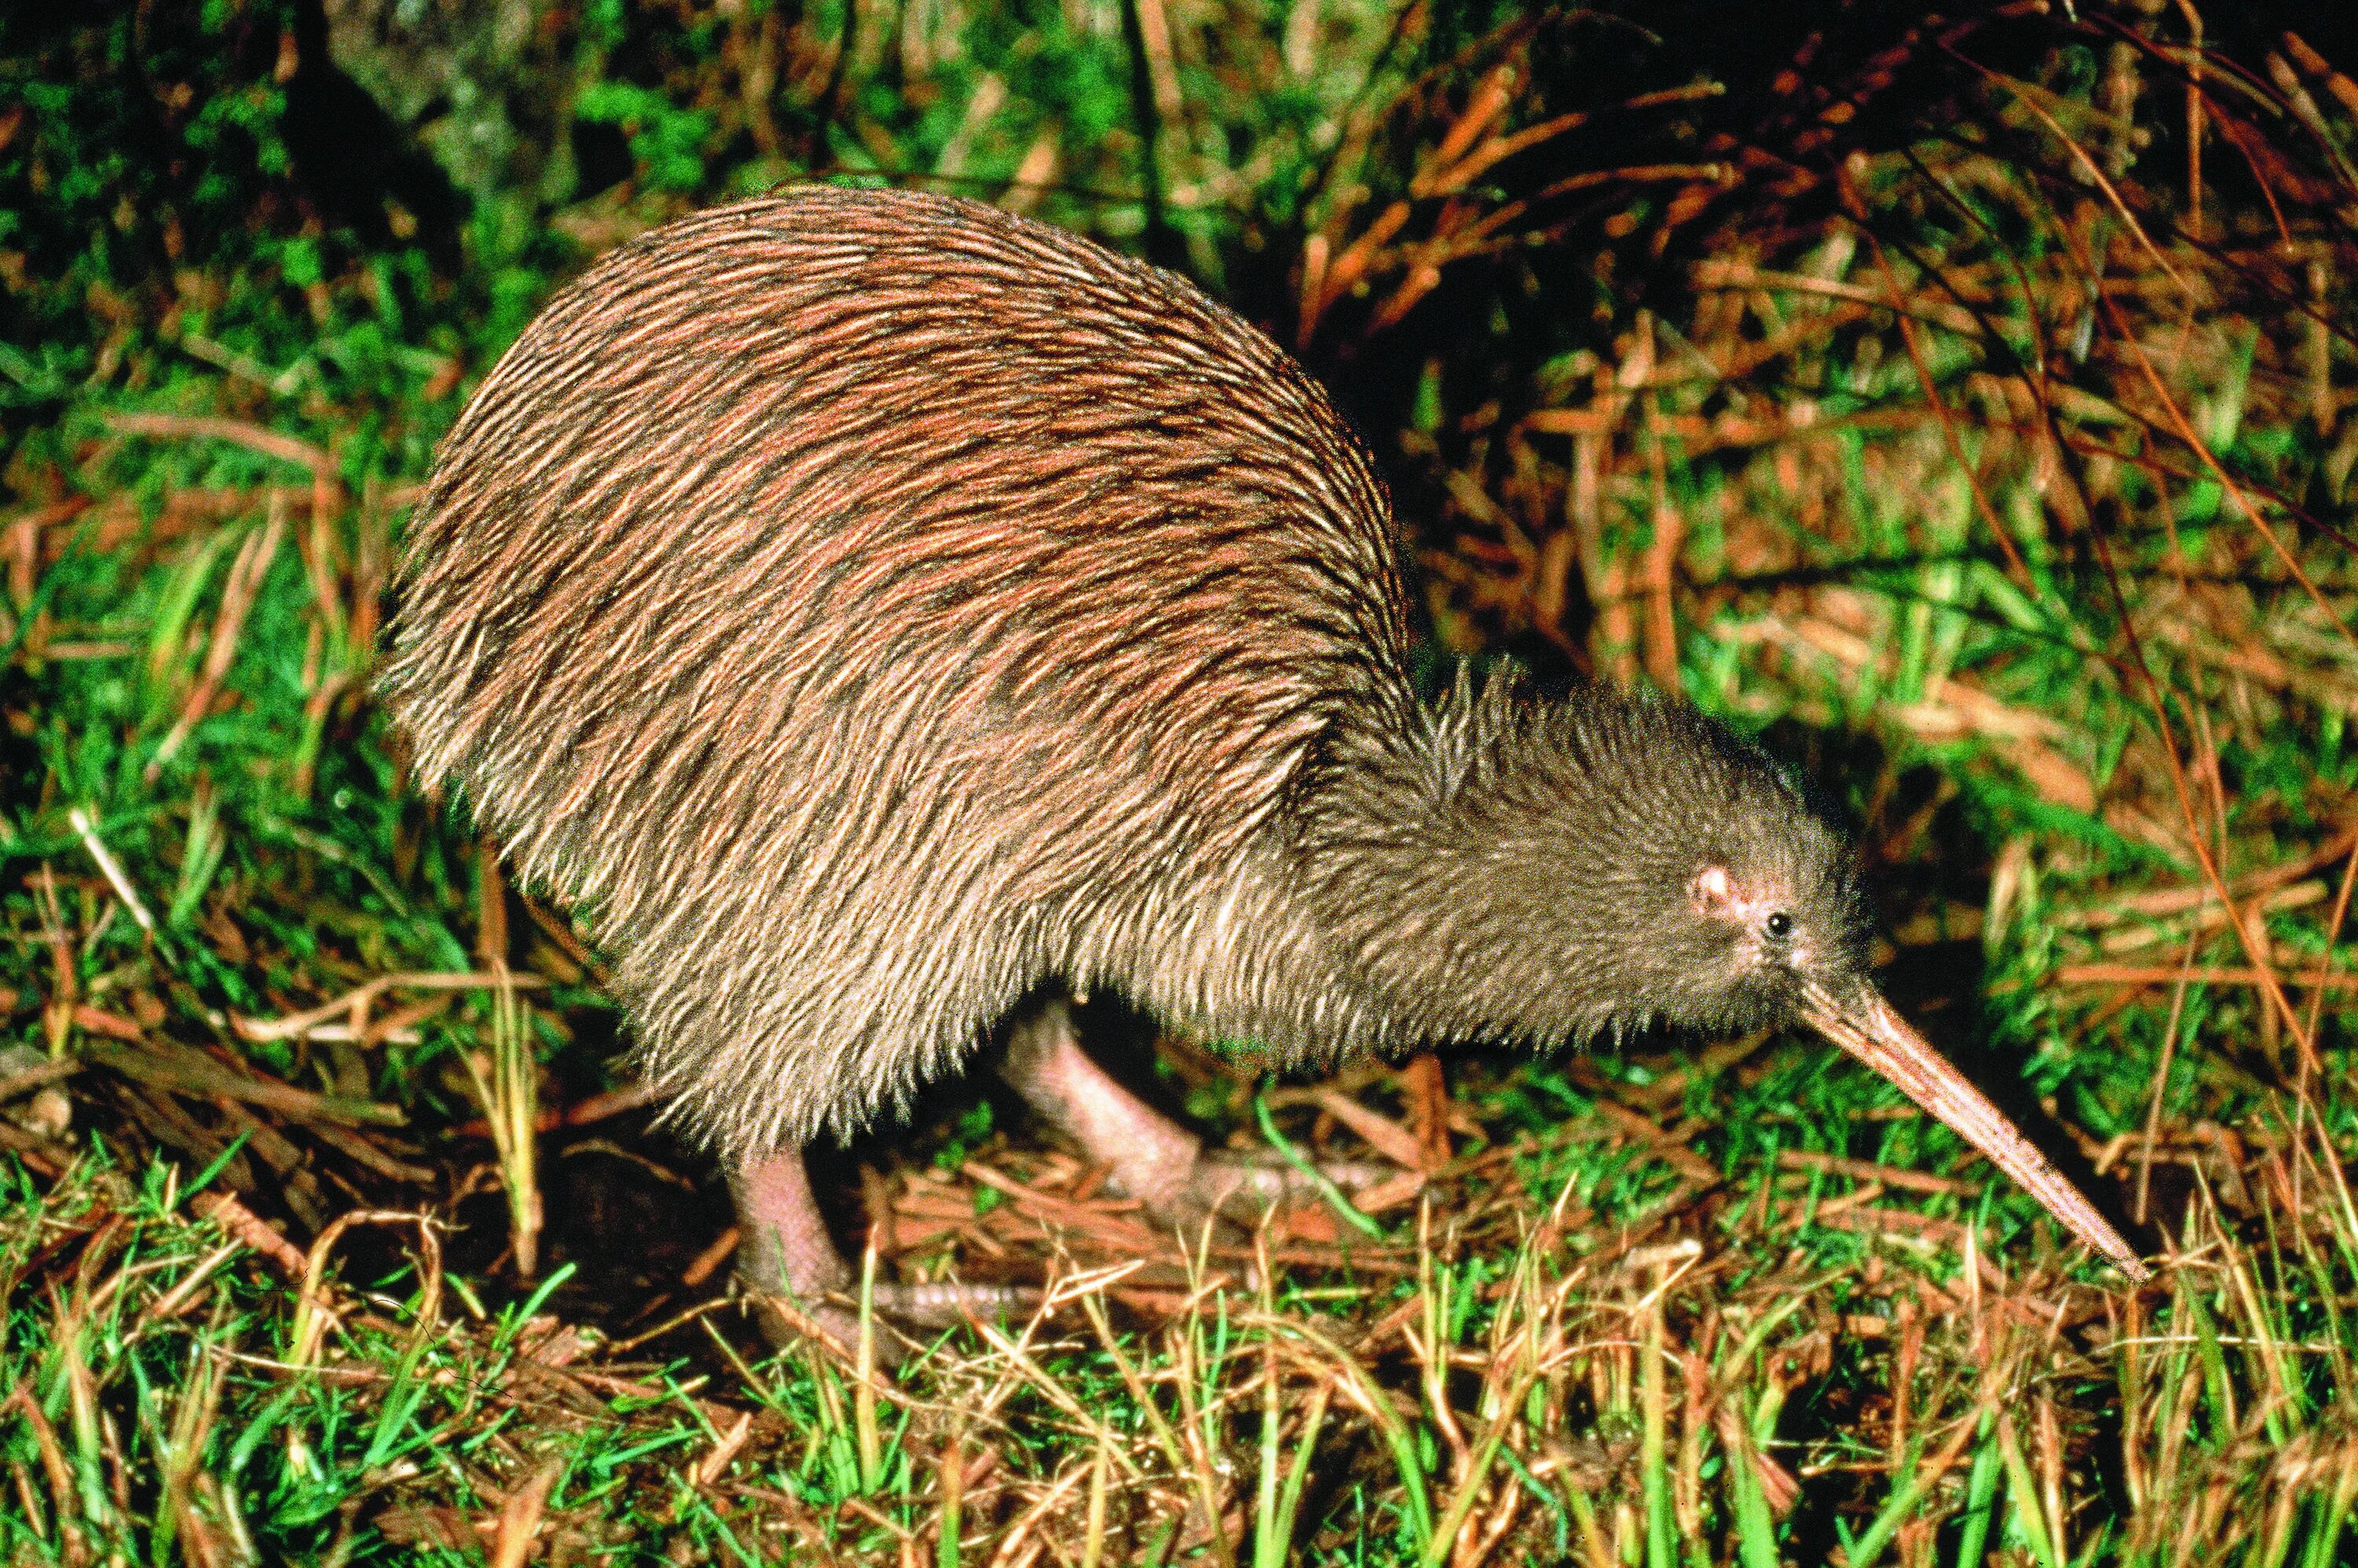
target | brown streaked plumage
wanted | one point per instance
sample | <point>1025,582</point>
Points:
<point>869,607</point>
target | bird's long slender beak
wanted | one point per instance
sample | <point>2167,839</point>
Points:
<point>1863,1024</point>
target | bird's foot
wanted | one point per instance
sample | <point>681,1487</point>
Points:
<point>798,1283</point>
<point>901,1316</point>
<point>1234,1189</point>
<point>1151,1158</point>
<point>1245,1184</point>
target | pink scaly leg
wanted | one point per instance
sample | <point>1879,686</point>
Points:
<point>786,1247</point>
<point>786,1253</point>
<point>1152,1159</point>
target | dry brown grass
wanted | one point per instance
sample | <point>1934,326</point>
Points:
<point>1953,408</point>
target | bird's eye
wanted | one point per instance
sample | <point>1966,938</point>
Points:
<point>1779,926</point>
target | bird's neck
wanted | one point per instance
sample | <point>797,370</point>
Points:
<point>1438,907</point>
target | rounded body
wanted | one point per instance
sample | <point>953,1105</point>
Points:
<point>868,606</point>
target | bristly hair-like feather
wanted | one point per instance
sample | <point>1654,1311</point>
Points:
<point>1525,871</point>
<point>869,605</point>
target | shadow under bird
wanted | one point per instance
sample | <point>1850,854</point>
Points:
<point>871,609</point>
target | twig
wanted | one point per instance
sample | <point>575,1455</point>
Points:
<point>250,1228</point>
<point>2161,1077</point>
<point>1380,1133</point>
<point>245,576</point>
<point>2162,902</point>
<point>1869,1171</point>
<point>1154,97</point>
<point>32,1078</point>
<point>237,432</point>
<point>2162,974</point>
<point>192,1073</point>
<point>2086,161</point>
<point>520,1515</point>
<point>580,1113</point>
<point>303,1023</point>
<point>1957,454</point>
<point>111,868</point>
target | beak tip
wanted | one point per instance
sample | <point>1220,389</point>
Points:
<point>2123,1258</point>
<point>1860,1021</point>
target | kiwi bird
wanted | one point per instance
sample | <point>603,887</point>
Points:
<point>873,610</point>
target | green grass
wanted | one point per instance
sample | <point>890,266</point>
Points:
<point>1952,468</point>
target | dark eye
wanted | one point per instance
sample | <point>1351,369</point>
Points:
<point>1779,926</point>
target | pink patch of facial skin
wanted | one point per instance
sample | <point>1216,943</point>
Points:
<point>1747,905</point>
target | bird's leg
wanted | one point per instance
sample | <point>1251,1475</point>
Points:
<point>786,1250</point>
<point>1151,1158</point>
<point>786,1253</point>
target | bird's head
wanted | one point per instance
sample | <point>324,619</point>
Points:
<point>1604,863</point>
<point>1723,899</point>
